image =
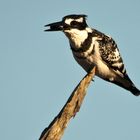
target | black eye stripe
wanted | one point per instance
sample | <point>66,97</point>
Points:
<point>75,23</point>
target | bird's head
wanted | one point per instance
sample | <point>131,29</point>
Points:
<point>74,27</point>
<point>68,23</point>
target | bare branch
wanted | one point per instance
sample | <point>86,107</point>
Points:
<point>56,128</point>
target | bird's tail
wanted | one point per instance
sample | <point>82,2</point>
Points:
<point>125,82</point>
<point>134,90</point>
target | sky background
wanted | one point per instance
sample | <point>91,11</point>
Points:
<point>38,72</point>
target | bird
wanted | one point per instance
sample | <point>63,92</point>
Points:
<point>92,48</point>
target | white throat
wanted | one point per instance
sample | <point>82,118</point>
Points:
<point>76,37</point>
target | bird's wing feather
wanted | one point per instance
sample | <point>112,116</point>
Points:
<point>110,55</point>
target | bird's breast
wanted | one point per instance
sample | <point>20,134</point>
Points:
<point>87,58</point>
<point>90,58</point>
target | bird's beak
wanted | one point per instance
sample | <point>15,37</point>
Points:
<point>57,26</point>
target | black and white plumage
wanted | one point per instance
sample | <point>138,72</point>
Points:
<point>92,48</point>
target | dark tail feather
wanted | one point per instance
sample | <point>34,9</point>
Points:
<point>134,91</point>
<point>132,88</point>
<point>125,82</point>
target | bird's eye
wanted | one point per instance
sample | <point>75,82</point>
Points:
<point>78,25</point>
<point>74,23</point>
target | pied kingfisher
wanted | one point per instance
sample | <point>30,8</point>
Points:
<point>91,47</point>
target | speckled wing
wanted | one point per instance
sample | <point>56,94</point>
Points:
<point>110,55</point>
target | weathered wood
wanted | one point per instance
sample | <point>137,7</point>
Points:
<point>56,128</point>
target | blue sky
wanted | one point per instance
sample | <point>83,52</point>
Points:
<point>38,72</point>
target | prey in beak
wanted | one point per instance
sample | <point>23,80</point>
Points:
<point>57,26</point>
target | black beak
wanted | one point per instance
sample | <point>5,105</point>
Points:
<point>57,26</point>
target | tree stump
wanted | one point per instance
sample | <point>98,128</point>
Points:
<point>56,128</point>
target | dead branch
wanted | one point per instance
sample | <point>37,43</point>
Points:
<point>56,128</point>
